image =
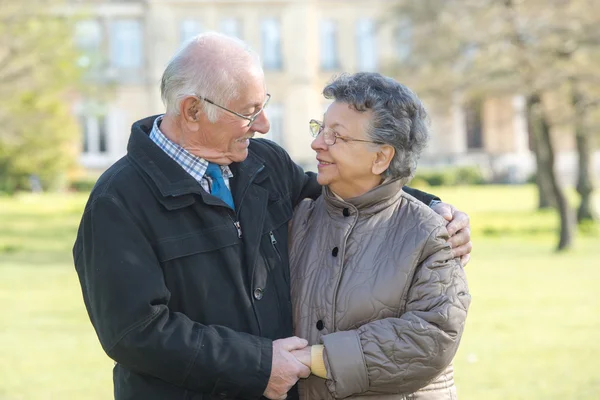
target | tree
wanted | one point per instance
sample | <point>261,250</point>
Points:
<point>37,71</point>
<point>496,47</point>
<point>584,144</point>
<point>571,47</point>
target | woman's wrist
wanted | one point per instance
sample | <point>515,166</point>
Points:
<point>317,361</point>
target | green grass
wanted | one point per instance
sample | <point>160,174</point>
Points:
<point>532,333</point>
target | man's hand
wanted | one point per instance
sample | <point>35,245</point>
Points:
<point>304,356</point>
<point>286,369</point>
<point>459,230</point>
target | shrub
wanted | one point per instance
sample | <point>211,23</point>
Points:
<point>418,183</point>
<point>469,176</point>
<point>85,184</point>
<point>451,176</point>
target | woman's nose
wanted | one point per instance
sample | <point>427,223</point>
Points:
<point>319,142</point>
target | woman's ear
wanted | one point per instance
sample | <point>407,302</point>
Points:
<point>384,157</point>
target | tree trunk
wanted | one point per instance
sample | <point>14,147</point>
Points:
<point>544,188</point>
<point>542,132</point>
<point>584,151</point>
<point>545,194</point>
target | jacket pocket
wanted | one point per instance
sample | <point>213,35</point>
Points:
<point>275,229</point>
<point>197,242</point>
<point>279,213</point>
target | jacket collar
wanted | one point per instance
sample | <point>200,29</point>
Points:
<point>168,176</point>
<point>173,185</point>
<point>369,203</point>
<point>251,170</point>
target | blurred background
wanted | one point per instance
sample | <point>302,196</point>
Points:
<point>513,92</point>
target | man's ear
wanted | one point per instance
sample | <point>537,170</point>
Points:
<point>382,161</point>
<point>189,109</point>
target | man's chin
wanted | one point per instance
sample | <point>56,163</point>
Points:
<point>238,155</point>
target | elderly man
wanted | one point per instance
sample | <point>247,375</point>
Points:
<point>182,249</point>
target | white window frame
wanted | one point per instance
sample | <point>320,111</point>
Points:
<point>366,45</point>
<point>270,29</point>
<point>231,26</point>
<point>276,114</point>
<point>403,37</point>
<point>92,133</point>
<point>328,52</point>
<point>127,44</point>
<point>188,28</point>
<point>89,37</point>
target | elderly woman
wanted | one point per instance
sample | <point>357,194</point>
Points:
<point>373,278</point>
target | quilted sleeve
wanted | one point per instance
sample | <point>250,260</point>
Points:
<point>404,354</point>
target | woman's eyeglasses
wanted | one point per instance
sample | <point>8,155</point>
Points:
<point>330,136</point>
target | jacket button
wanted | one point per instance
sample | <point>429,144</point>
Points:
<point>346,212</point>
<point>320,325</point>
<point>258,293</point>
<point>334,252</point>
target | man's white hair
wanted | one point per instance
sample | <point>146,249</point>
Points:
<point>208,65</point>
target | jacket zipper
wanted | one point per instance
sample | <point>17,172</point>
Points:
<point>273,243</point>
<point>236,223</point>
<point>272,271</point>
<point>237,226</point>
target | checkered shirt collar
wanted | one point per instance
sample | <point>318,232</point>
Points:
<point>193,165</point>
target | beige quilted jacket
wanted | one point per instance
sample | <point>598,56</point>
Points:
<point>373,280</point>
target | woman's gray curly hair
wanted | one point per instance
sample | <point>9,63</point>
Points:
<point>399,118</point>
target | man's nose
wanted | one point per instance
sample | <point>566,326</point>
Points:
<point>261,123</point>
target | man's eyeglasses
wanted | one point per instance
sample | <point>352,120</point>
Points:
<point>249,118</point>
<point>330,136</point>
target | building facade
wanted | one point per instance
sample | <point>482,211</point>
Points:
<point>302,44</point>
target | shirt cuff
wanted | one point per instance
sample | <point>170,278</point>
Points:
<point>434,202</point>
<point>317,361</point>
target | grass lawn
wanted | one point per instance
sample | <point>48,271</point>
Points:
<point>533,330</point>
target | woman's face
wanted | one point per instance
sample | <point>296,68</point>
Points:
<point>347,167</point>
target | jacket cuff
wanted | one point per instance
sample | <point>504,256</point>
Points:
<point>348,372</point>
<point>263,374</point>
<point>317,362</point>
<point>251,382</point>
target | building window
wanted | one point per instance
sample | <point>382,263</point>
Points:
<point>231,27</point>
<point>403,36</point>
<point>102,136</point>
<point>473,125</point>
<point>329,48</point>
<point>275,115</point>
<point>188,29</point>
<point>88,38</point>
<point>94,134</point>
<point>126,44</point>
<point>85,134</point>
<point>366,45</point>
<point>271,43</point>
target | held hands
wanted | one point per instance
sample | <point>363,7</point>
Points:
<point>286,369</point>
<point>304,356</point>
<point>459,229</point>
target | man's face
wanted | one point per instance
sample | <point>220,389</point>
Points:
<point>228,138</point>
